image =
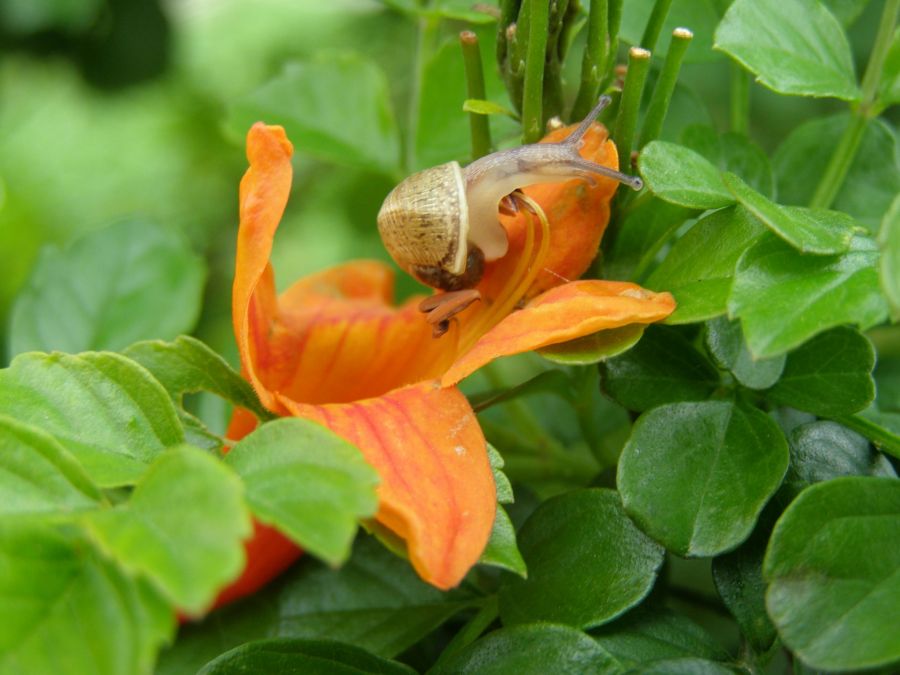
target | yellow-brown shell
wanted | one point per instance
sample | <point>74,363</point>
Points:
<point>424,221</point>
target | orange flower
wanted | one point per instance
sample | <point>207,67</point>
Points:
<point>335,349</point>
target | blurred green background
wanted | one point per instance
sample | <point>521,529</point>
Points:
<point>125,109</point>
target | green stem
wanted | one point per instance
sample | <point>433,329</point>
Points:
<point>883,440</point>
<point>536,54</point>
<point>427,29</point>
<point>845,152</point>
<point>665,85</point>
<point>739,100</point>
<point>629,107</point>
<point>472,631</point>
<point>593,64</point>
<point>655,24</point>
<point>615,22</point>
<point>478,124</point>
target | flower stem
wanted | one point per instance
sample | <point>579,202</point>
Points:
<point>665,85</point>
<point>615,22</point>
<point>629,107</point>
<point>739,100</point>
<point>427,30</point>
<point>655,24</point>
<point>845,152</point>
<point>533,93</point>
<point>478,124</point>
<point>473,629</point>
<point>593,64</point>
<point>884,440</point>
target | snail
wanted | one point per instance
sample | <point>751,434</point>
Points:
<point>441,224</point>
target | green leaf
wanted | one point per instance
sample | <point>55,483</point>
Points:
<point>308,482</point>
<point>681,176</point>
<point>794,48</point>
<point>310,657</point>
<point>824,450</point>
<point>662,368</point>
<point>335,107</point>
<point>536,649</point>
<point>695,476</point>
<point>889,263</point>
<point>132,281</point>
<point>783,298</point>
<point>187,366</point>
<point>502,550</point>
<point>594,348</point>
<point>872,181</point>
<point>501,482</point>
<point>460,10</point>
<point>66,610</point>
<point>652,633</point>
<point>808,230</point>
<point>699,269</point>
<point>182,527</point>
<point>846,11</point>
<point>725,342</point>
<point>686,666</point>
<point>889,85</point>
<point>482,107</point>
<point>829,376</point>
<point>38,475</point>
<point>732,152</point>
<point>101,407</point>
<point>882,428</point>
<point>832,567</point>
<point>582,535</point>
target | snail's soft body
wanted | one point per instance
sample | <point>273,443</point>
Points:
<point>441,224</point>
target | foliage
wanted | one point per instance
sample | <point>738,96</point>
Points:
<point>735,466</point>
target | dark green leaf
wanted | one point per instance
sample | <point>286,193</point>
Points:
<point>783,298</point>
<point>873,179</point>
<point>808,230</point>
<point>686,666</point>
<point>824,450</point>
<point>310,657</point>
<point>653,633</point>
<point>502,550</point>
<point>834,589</point>
<point>128,282</point>
<point>537,649</point>
<point>732,152</point>
<point>186,365</point>
<point>699,269</point>
<point>336,107</point>
<point>38,475</point>
<point>587,562</point>
<point>103,408</point>
<point>889,263</point>
<point>829,376</point>
<point>696,475</point>
<point>66,610</point>
<point>308,482</point>
<point>805,52</point>
<point>679,175</point>
<point>594,348</point>
<point>182,527</point>
<point>662,368</point>
<point>725,342</point>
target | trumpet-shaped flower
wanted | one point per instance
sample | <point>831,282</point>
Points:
<point>334,348</point>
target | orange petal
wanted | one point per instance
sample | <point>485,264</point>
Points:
<point>437,490</point>
<point>561,314</point>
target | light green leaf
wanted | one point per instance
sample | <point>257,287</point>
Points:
<point>104,409</point>
<point>832,567</point>
<point>482,107</point>
<point>537,649</point>
<point>794,48</point>
<point>335,107</point>
<point>594,348</point>
<point>846,11</point>
<point>502,550</point>
<point>460,10</point>
<point>681,176</point>
<point>181,528</point>
<point>132,281</point>
<point>66,610</point>
<point>783,298</point>
<point>38,475</point>
<point>501,482</point>
<point>695,476</point>
<point>829,376</point>
<point>308,482</point>
<point>582,535</point>
<point>808,230</point>
<point>889,263</point>
<point>726,344</point>
<point>311,657</point>
<point>699,269</point>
